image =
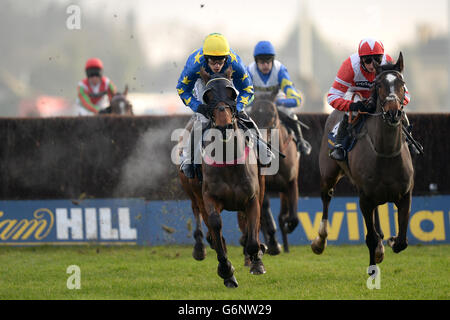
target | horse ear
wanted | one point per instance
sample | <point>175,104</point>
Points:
<point>204,75</point>
<point>399,64</point>
<point>228,73</point>
<point>125,92</point>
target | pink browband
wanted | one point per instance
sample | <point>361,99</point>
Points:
<point>240,160</point>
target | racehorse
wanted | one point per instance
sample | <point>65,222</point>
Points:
<point>119,104</point>
<point>235,185</point>
<point>265,114</point>
<point>379,165</point>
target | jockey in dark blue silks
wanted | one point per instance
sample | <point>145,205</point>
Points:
<point>271,78</point>
<point>215,56</point>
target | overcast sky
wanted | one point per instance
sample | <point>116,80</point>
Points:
<point>164,25</point>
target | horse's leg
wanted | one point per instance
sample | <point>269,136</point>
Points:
<point>330,175</point>
<point>373,240</point>
<point>199,252</point>
<point>243,240</point>
<point>269,228</point>
<point>225,269</point>
<point>254,249</point>
<point>377,224</point>
<point>379,251</point>
<point>203,213</point>
<point>284,211</point>
<point>400,242</point>
<point>292,199</point>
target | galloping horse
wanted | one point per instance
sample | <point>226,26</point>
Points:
<point>265,114</point>
<point>234,185</point>
<point>379,165</point>
<point>119,104</point>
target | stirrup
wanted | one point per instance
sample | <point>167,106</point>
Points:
<point>341,153</point>
<point>304,147</point>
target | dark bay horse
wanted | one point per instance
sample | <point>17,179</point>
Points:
<point>285,181</point>
<point>235,185</point>
<point>119,104</point>
<point>379,166</point>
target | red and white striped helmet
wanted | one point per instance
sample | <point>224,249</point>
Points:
<point>369,46</point>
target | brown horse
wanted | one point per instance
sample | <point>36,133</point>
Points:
<point>235,185</point>
<point>265,114</point>
<point>119,104</point>
<point>379,165</point>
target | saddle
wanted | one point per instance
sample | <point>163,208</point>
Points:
<point>353,129</point>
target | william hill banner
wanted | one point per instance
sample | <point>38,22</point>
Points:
<point>140,222</point>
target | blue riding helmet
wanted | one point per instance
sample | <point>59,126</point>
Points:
<point>264,48</point>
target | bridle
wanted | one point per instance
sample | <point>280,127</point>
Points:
<point>390,118</point>
<point>213,104</point>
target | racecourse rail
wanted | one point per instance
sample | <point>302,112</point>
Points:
<point>111,179</point>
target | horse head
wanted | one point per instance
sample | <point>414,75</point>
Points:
<point>220,96</point>
<point>389,90</point>
<point>265,114</point>
<point>120,104</point>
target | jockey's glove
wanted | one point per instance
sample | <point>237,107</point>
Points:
<point>203,109</point>
<point>359,106</point>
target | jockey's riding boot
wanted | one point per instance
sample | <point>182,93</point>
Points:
<point>303,146</point>
<point>405,123</point>
<point>187,166</point>
<point>338,153</point>
<point>192,164</point>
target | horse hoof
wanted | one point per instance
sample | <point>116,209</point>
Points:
<point>231,282</point>
<point>290,225</point>
<point>396,245</point>
<point>274,249</point>
<point>318,245</point>
<point>199,252</point>
<point>257,268</point>
<point>379,253</point>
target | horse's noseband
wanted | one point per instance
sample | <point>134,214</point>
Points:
<point>392,117</point>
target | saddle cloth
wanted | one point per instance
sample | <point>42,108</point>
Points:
<point>350,139</point>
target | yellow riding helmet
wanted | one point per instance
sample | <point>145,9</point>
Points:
<point>216,45</point>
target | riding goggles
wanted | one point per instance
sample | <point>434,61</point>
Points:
<point>93,72</point>
<point>368,59</point>
<point>216,59</point>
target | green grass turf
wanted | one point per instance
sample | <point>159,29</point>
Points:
<point>170,272</point>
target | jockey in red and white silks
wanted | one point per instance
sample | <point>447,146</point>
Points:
<point>357,75</point>
<point>354,76</point>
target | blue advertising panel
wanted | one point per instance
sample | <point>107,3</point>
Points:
<point>71,222</point>
<point>140,222</point>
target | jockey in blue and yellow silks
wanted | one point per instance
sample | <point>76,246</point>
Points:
<point>199,58</point>
<point>271,79</point>
<point>215,56</point>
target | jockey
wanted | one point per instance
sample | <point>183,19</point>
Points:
<point>270,76</point>
<point>357,75</point>
<point>93,89</point>
<point>215,56</point>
